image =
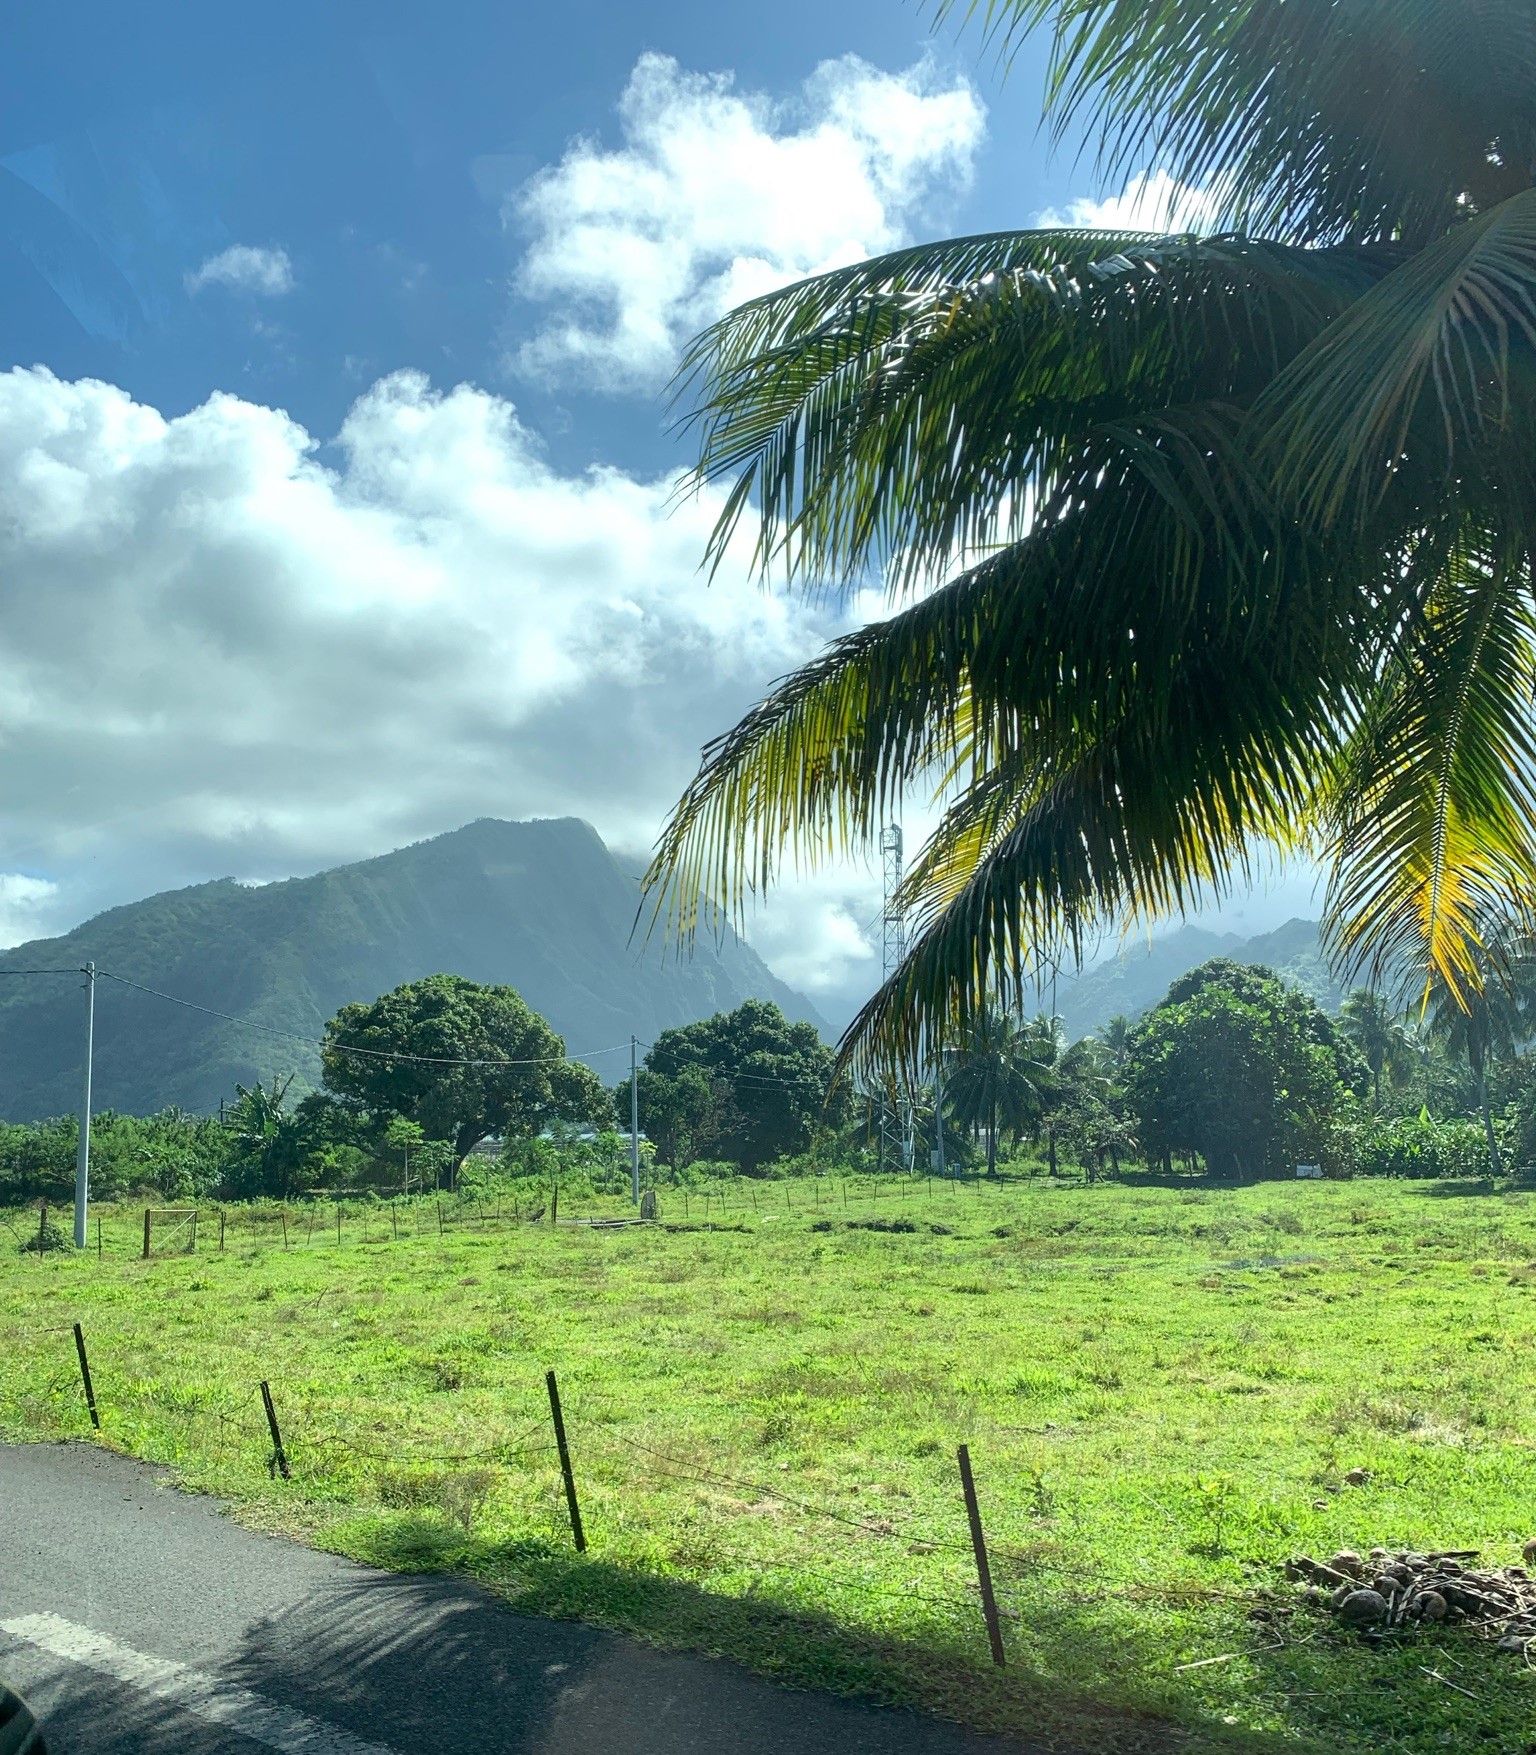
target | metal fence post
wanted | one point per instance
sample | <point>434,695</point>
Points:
<point>279,1455</point>
<point>85,1378</point>
<point>565,1463</point>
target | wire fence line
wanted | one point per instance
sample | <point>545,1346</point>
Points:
<point>374,1217</point>
<point>294,1450</point>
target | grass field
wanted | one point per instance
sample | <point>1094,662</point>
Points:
<point>1162,1389</point>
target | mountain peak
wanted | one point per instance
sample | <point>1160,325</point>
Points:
<point>542,906</point>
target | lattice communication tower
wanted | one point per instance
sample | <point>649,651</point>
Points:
<point>896,1119</point>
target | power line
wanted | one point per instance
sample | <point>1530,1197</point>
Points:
<point>338,1047</point>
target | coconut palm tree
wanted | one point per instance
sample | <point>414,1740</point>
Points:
<point>1375,1028</point>
<point>1232,533</point>
<point>997,1076</point>
<point>1491,1024</point>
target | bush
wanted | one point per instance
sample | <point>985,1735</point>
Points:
<point>1416,1145</point>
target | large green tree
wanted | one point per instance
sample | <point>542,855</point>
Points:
<point>1377,1031</point>
<point>460,1059</point>
<point>1233,533</point>
<point>1241,1069</point>
<point>746,1084</point>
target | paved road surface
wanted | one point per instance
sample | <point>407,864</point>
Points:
<point>140,1621</point>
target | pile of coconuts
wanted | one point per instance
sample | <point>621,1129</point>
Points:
<point>1387,1589</point>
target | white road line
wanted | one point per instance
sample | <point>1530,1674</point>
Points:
<point>204,1696</point>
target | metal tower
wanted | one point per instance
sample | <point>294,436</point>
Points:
<point>896,1120</point>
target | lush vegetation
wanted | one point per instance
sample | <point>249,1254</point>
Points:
<point>1236,1074</point>
<point>1163,1389</point>
<point>745,1086</point>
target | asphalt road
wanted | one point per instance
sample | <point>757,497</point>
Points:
<point>141,1621</point>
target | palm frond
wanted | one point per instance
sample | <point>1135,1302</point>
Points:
<point>1433,807</point>
<point>917,409</point>
<point>1317,120</point>
<point>1420,371</point>
<point>1014,669</point>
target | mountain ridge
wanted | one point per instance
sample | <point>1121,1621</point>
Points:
<point>1134,980</point>
<point>542,906</point>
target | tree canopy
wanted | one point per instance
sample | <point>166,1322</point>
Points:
<point>745,1085</point>
<point>460,1059</point>
<point>1240,1068</point>
<point>1234,531</point>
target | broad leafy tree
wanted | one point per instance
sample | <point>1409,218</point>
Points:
<point>745,1085</point>
<point>460,1059</point>
<point>684,1114</point>
<point>1241,1069</point>
<point>1234,533</point>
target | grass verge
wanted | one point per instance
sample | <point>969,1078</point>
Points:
<point>1163,1390</point>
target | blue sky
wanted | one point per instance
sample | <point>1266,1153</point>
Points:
<point>376,146</point>
<point>336,480</point>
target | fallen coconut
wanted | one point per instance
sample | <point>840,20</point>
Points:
<point>1363,1608</point>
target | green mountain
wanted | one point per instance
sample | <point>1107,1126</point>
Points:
<point>542,906</point>
<point>1136,979</point>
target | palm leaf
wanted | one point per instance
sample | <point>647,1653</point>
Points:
<point>917,409</point>
<point>1316,120</point>
<point>1433,808</point>
<point>1415,374</point>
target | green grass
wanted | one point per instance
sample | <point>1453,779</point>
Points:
<point>1162,1389</point>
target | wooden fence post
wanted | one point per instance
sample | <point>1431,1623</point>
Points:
<point>979,1545</point>
<point>146,1233</point>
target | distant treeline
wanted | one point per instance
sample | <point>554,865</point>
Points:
<point>1235,1074</point>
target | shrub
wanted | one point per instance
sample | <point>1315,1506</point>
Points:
<point>1416,1145</point>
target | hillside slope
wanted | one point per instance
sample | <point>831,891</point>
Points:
<point>542,906</point>
<point>1137,978</point>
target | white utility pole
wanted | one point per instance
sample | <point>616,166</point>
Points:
<point>634,1120</point>
<point>83,1155</point>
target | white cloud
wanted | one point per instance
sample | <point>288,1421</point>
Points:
<point>717,195</point>
<point>24,904</point>
<point>245,268</point>
<point>219,656</point>
<point>1153,203</point>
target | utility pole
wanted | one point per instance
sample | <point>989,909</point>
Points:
<point>634,1120</point>
<point>83,1155</point>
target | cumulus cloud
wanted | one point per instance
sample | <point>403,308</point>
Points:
<point>717,195</point>
<point>218,654</point>
<point>245,268</point>
<point>1156,202</point>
